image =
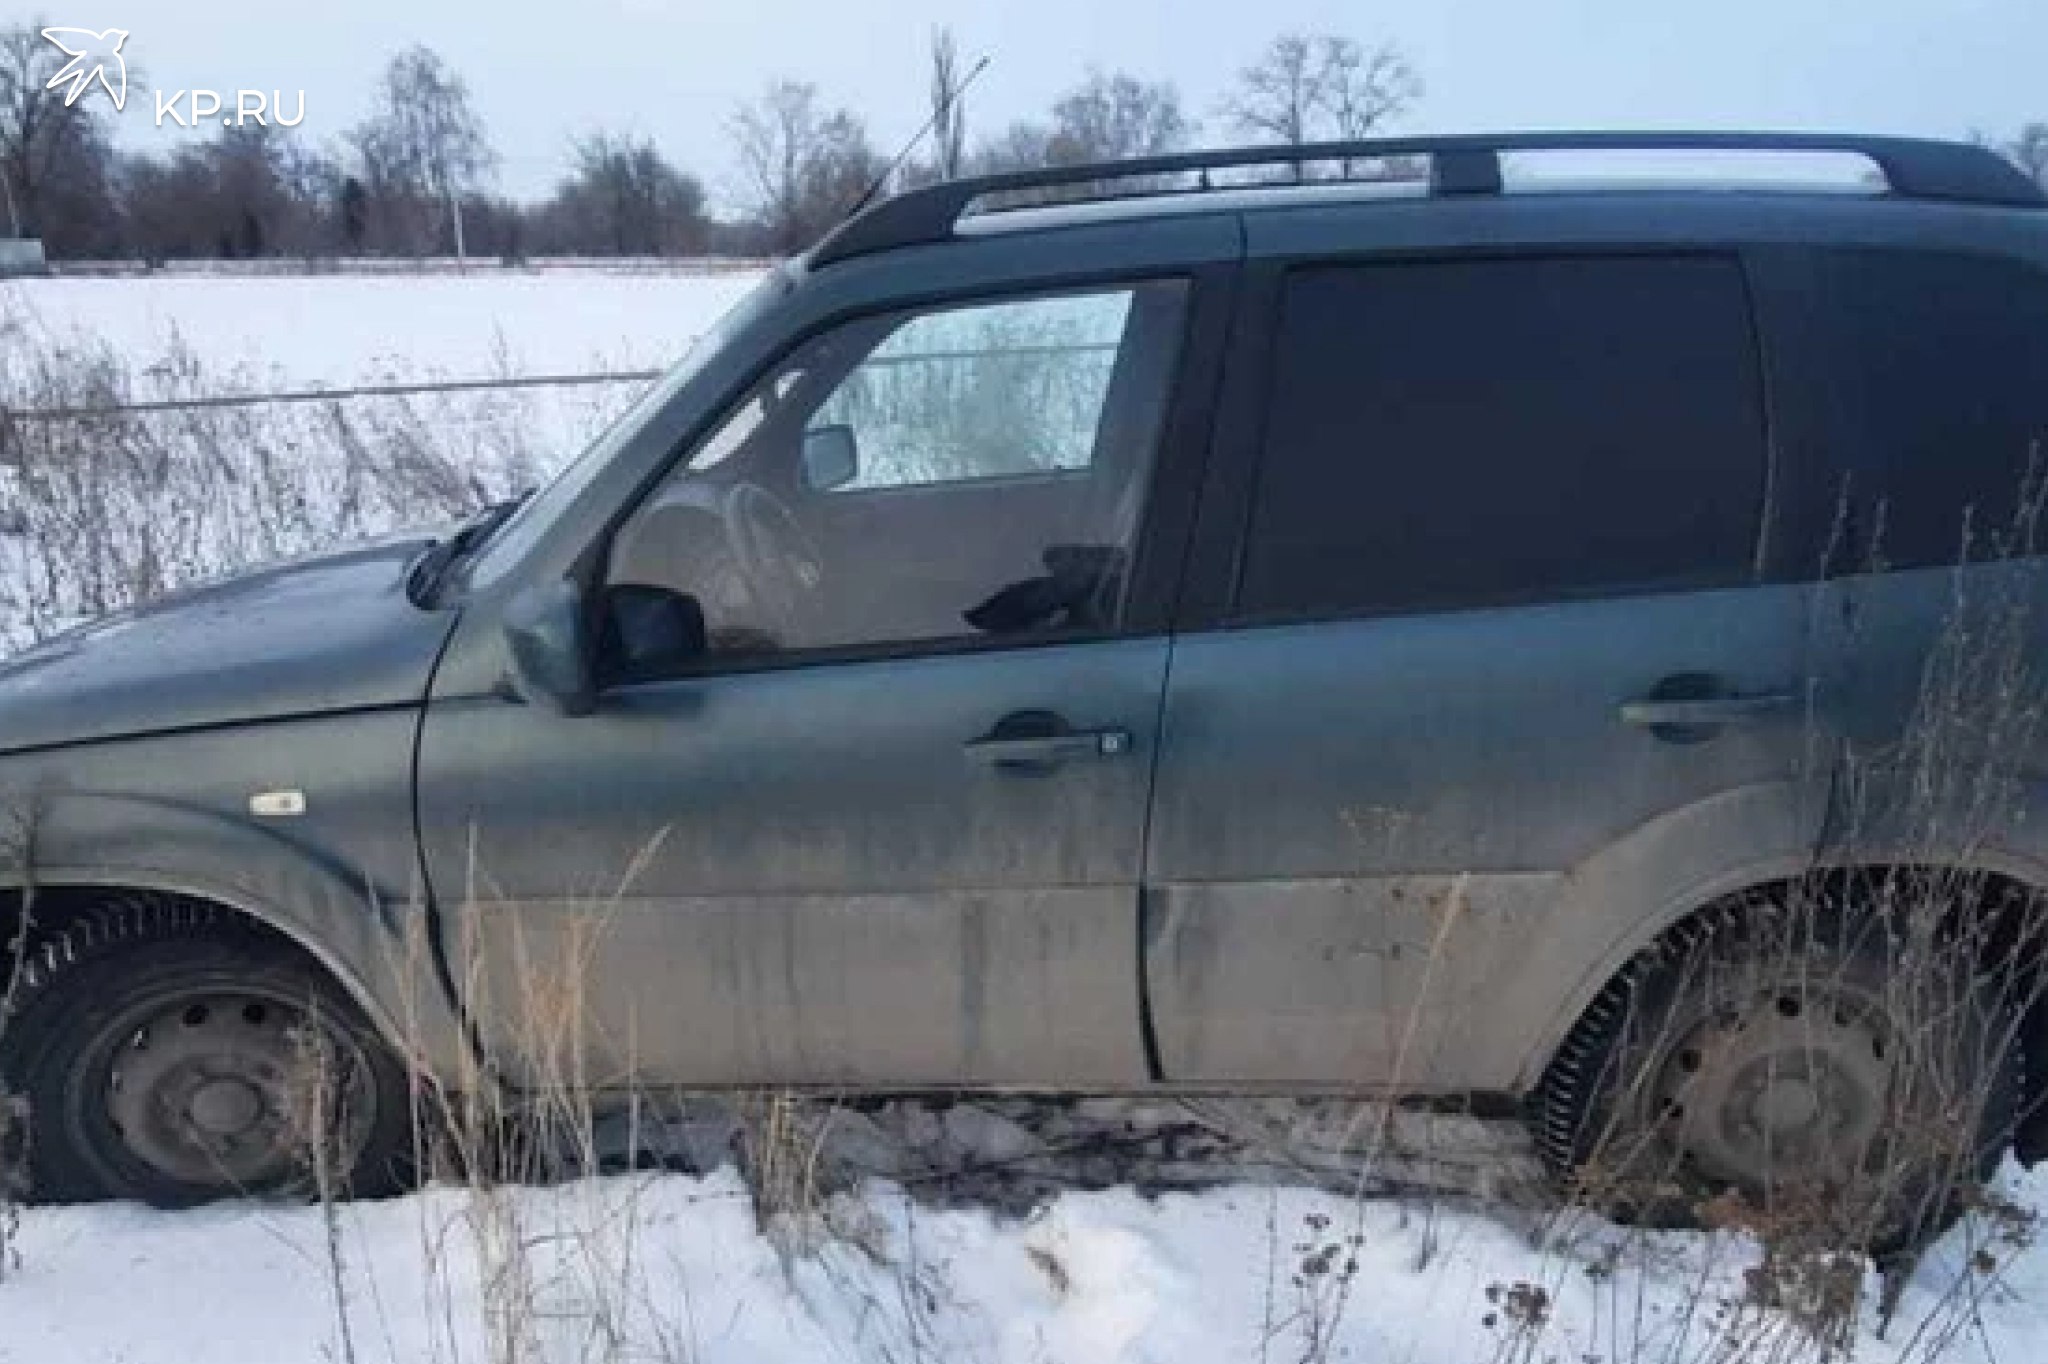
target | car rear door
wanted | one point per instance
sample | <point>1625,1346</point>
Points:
<point>1488,659</point>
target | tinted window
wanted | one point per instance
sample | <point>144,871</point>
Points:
<point>952,473</point>
<point>1934,395</point>
<point>1472,433</point>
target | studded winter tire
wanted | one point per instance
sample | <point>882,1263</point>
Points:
<point>170,1054</point>
<point>1808,1069</point>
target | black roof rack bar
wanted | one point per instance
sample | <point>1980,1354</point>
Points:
<point>1462,164</point>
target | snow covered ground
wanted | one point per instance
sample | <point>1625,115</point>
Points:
<point>676,1268</point>
<point>338,329</point>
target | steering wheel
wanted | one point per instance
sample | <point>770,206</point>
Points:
<point>777,557</point>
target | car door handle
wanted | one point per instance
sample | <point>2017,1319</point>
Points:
<point>1652,712</point>
<point>1028,751</point>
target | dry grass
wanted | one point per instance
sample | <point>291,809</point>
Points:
<point>101,512</point>
<point>1897,920</point>
<point>20,850</point>
<point>553,1288</point>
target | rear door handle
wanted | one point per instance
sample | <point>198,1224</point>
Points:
<point>1034,741</point>
<point>1050,748</point>
<point>1710,710</point>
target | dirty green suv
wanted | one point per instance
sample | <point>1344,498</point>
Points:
<point>1359,619</point>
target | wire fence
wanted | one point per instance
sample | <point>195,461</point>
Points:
<point>325,395</point>
<point>409,265</point>
<point>625,376</point>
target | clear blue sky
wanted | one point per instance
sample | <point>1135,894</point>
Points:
<point>673,69</point>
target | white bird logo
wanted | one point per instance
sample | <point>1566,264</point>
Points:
<point>91,53</point>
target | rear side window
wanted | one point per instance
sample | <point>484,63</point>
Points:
<point>1934,395</point>
<point>1475,433</point>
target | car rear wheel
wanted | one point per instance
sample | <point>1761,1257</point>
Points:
<point>173,1055</point>
<point>1809,1066</point>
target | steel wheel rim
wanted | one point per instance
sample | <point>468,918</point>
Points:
<point>1786,1085</point>
<point>234,1087</point>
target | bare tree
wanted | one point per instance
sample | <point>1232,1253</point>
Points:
<point>1024,145</point>
<point>424,142</point>
<point>949,107</point>
<point>623,198</point>
<point>805,167</point>
<point>252,191</point>
<point>1306,87</point>
<point>393,210</point>
<point>1364,89</point>
<point>1108,117</point>
<point>1278,96</point>
<point>54,158</point>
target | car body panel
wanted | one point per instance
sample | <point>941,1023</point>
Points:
<point>308,636</point>
<point>172,813</point>
<point>799,876</point>
<point>136,746</point>
<point>1361,827</point>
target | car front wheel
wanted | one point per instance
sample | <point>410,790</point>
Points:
<point>174,1055</point>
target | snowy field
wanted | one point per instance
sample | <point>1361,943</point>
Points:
<point>675,1268</point>
<point>340,329</point>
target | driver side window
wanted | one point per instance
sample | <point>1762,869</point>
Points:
<point>942,474</point>
<point>1010,389</point>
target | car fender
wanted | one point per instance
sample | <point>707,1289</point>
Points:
<point>1636,889</point>
<point>377,945</point>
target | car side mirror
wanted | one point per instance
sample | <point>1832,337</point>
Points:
<point>648,631</point>
<point>831,457</point>
<point>545,640</point>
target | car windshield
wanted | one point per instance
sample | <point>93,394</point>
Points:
<point>513,539</point>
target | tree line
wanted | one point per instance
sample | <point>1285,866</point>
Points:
<point>415,177</point>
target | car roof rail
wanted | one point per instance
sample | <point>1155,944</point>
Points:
<point>1460,164</point>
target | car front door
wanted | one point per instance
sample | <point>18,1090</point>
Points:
<point>863,797</point>
<point>1502,668</point>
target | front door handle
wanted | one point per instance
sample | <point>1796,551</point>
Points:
<point>1037,741</point>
